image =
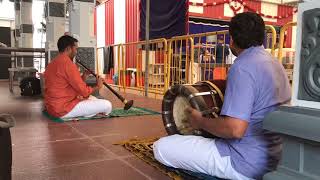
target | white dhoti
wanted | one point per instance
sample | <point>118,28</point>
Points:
<point>90,107</point>
<point>194,153</point>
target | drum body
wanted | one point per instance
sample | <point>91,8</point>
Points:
<point>205,96</point>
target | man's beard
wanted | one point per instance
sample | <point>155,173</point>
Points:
<point>72,56</point>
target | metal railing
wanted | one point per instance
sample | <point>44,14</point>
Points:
<point>179,60</point>
<point>18,56</point>
<point>281,38</point>
<point>270,30</point>
<point>130,68</point>
<point>290,53</point>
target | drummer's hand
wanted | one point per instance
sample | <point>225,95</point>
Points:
<point>195,117</point>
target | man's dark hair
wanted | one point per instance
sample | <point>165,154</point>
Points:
<point>247,29</point>
<point>66,41</point>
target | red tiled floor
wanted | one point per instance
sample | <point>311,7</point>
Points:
<point>101,127</point>
<point>108,141</point>
<point>104,170</point>
<point>139,101</point>
<point>135,126</point>
<point>147,169</point>
<point>53,154</point>
<point>78,150</point>
<point>43,134</point>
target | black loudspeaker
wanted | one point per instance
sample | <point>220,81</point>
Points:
<point>309,70</point>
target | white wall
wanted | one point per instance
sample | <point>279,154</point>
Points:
<point>294,30</point>
<point>6,10</point>
<point>119,28</point>
<point>269,9</point>
<point>101,25</point>
<point>119,21</point>
<point>228,12</point>
<point>7,16</point>
<point>81,23</point>
<point>7,23</point>
<point>196,9</point>
<point>37,18</point>
<point>101,34</point>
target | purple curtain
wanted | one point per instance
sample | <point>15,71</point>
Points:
<point>195,28</point>
<point>168,18</point>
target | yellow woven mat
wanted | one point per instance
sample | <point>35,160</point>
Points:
<point>142,148</point>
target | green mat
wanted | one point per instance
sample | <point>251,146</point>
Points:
<point>133,111</point>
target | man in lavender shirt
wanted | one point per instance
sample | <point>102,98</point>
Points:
<point>257,84</point>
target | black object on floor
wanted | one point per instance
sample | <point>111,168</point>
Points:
<point>6,121</point>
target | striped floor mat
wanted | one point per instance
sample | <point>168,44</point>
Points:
<point>133,111</point>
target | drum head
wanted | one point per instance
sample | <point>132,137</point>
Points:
<point>204,96</point>
<point>174,103</point>
<point>180,117</point>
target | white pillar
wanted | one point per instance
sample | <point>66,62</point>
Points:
<point>81,26</point>
<point>26,27</point>
<point>17,23</point>
<point>26,30</point>
<point>55,27</point>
